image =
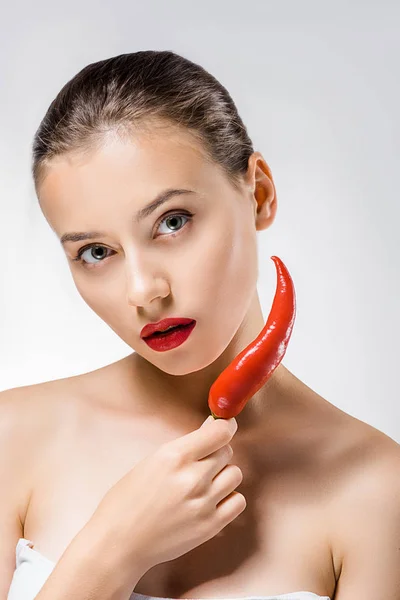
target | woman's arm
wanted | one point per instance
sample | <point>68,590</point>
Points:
<point>91,568</point>
<point>13,496</point>
<point>369,527</point>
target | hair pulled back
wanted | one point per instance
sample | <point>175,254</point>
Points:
<point>143,89</point>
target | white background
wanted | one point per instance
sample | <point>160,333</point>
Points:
<point>317,84</point>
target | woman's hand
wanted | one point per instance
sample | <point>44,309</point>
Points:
<point>175,499</point>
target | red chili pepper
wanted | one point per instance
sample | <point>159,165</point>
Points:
<point>250,370</point>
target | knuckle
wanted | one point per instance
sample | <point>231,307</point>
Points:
<point>197,510</point>
<point>193,486</point>
<point>172,456</point>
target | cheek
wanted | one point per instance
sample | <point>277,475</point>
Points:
<point>97,294</point>
<point>93,300</point>
<point>223,275</point>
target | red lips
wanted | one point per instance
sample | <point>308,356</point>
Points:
<point>164,324</point>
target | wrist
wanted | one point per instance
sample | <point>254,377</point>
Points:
<point>108,552</point>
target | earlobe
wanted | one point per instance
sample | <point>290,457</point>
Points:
<point>266,214</point>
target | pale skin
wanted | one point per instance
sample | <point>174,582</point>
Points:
<point>322,488</point>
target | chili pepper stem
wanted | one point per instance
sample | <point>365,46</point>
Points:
<point>215,416</point>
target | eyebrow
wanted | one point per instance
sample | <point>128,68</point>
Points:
<point>161,198</point>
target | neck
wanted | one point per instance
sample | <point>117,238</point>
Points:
<point>184,398</point>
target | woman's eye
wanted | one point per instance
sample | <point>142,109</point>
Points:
<point>174,219</point>
<point>98,253</point>
<point>95,251</point>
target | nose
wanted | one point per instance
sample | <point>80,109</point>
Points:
<point>144,282</point>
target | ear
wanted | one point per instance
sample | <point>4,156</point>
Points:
<point>262,189</point>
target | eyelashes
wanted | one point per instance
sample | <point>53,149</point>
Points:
<point>79,256</point>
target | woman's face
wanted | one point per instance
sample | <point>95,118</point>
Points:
<point>194,256</point>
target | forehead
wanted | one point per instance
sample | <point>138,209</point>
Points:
<point>125,170</point>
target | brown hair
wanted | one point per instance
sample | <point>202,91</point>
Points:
<point>140,89</point>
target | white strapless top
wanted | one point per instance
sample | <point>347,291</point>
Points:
<point>32,570</point>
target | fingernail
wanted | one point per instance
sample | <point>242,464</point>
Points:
<point>233,423</point>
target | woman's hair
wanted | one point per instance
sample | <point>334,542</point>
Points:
<point>143,90</point>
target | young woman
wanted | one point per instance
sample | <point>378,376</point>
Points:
<point>111,488</point>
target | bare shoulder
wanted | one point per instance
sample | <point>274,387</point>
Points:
<point>28,417</point>
<point>365,512</point>
<point>33,406</point>
<point>26,411</point>
<point>13,446</point>
<point>30,414</point>
<point>372,459</point>
<point>369,462</point>
<point>25,414</point>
